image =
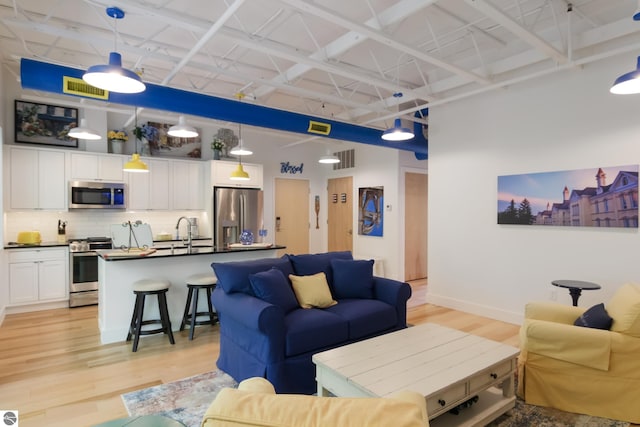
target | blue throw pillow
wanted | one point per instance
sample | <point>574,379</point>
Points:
<point>310,264</point>
<point>352,278</point>
<point>595,317</point>
<point>271,286</point>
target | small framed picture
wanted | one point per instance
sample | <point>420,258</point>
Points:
<point>45,124</point>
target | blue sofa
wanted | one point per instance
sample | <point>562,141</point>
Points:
<point>265,333</point>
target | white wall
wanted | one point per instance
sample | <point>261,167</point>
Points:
<point>564,121</point>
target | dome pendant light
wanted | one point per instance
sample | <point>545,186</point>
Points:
<point>329,158</point>
<point>182,129</point>
<point>112,76</point>
<point>239,174</point>
<point>240,150</point>
<point>84,132</point>
<point>136,164</point>
<point>629,83</point>
<point>397,132</point>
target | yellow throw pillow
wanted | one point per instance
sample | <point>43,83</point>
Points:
<point>312,291</point>
<point>624,308</point>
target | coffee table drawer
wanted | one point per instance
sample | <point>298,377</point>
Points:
<point>483,379</point>
<point>445,399</point>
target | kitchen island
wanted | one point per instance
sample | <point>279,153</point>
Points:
<point>117,272</point>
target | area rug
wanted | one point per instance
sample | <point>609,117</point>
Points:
<point>187,400</point>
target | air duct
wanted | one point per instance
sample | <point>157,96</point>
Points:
<point>49,77</point>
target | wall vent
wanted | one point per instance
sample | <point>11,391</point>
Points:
<point>347,159</point>
<point>74,86</point>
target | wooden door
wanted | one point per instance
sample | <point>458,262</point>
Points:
<point>415,226</point>
<point>292,215</point>
<point>340,214</point>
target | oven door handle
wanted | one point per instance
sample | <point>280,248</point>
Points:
<point>76,254</point>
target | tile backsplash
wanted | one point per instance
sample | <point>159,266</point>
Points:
<point>97,223</point>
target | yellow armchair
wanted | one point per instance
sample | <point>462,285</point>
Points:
<point>254,403</point>
<point>578,369</point>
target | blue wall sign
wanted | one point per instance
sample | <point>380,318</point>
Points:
<point>286,167</point>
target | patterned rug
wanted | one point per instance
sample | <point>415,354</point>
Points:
<point>187,400</point>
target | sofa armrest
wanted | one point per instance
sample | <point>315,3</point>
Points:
<point>574,344</point>
<point>391,291</point>
<point>552,312</point>
<point>250,312</point>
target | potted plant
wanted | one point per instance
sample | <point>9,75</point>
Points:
<point>217,145</point>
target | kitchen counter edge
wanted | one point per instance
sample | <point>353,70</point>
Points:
<point>164,253</point>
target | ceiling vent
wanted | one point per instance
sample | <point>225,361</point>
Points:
<point>78,87</point>
<point>347,159</point>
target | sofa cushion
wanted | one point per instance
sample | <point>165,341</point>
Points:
<point>365,316</point>
<point>273,287</point>
<point>595,317</point>
<point>234,276</point>
<point>313,330</point>
<point>307,264</point>
<point>624,308</point>
<point>312,291</point>
<point>352,278</point>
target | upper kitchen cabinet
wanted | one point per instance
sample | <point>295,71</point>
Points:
<point>221,171</point>
<point>96,167</point>
<point>187,182</point>
<point>150,191</point>
<point>36,178</point>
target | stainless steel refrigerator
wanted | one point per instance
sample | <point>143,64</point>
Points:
<point>236,210</point>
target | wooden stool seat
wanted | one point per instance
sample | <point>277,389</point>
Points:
<point>141,289</point>
<point>195,283</point>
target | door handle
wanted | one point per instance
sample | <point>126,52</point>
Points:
<point>350,232</point>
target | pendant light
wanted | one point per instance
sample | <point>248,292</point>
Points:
<point>182,129</point>
<point>397,132</point>
<point>112,76</point>
<point>240,150</point>
<point>629,83</point>
<point>239,174</point>
<point>136,164</point>
<point>84,132</point>
<point>329,158</point>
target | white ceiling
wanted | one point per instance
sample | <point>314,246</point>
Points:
<point>337,59</point>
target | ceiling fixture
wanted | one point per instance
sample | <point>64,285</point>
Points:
<point>239,174</point>
<point>182,129</point>
<point>112,76</point>
<point>240,149</point>
<point>397,132</point>
<point>329,158</point>
<point>135,164</point>
<point>629,83</point>
<point>84,132</point>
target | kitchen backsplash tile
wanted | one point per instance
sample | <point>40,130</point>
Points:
<point>96,223</point>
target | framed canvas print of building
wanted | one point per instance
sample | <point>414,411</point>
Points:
<point>370,211</point>
<point>164,145</point>
<point>45,124</point>
<point>595,197</point>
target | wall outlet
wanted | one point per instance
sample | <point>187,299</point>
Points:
<point>553,296</point>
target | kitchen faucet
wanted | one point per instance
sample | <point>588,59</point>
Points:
<point>189,242</point>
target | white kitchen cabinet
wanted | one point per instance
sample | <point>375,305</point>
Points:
<point>36,179</point>
<point>96,167</point>
<point>187,185</point>
<point>150,191</point>
<point>221,171</point>
<point>39,275</point>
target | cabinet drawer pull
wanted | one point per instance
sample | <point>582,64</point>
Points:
<point>442,402</point>
<point>494,375</point>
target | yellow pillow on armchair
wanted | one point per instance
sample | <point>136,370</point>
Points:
<point>624,308</point>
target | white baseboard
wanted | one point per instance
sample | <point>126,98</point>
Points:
<point>514,317</point>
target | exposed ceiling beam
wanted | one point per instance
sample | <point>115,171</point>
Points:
<point>510,24</point>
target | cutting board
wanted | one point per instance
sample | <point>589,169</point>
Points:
<point>132,235</point>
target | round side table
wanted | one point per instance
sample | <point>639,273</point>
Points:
<point>576,287</point>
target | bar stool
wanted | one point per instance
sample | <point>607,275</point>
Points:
<point>195,283</point>
<point>141,289</point>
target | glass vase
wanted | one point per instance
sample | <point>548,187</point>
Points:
<point>246,237</point>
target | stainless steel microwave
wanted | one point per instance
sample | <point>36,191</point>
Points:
<point>96,195</point>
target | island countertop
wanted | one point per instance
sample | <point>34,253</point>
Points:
<point>163,252</point>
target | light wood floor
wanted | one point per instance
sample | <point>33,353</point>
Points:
<point>54,371</point>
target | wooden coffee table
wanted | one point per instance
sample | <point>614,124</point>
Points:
<point>447,366</point>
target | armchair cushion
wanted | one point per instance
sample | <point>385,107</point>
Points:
<point>255,404</point>
<point>624,308</point>
<point>312,291</point>
<point>273,287</point>
<point>595,317</point>
<point>352,278</point>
